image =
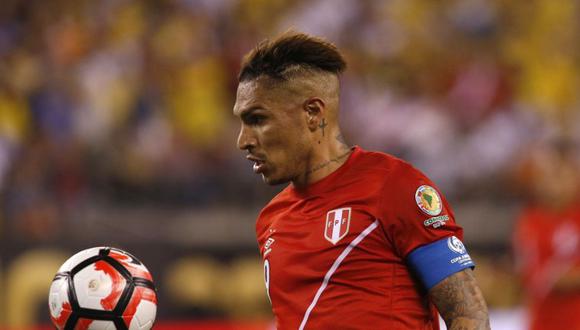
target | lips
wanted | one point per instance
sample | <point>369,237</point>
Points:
<point>259,164</point>
<point>258,168</point>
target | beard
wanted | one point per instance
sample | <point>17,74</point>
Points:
<point>274,181</point>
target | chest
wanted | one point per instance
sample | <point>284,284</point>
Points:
<point>302,245</point>
<point>313,232</point>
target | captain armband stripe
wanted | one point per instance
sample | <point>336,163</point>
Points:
<point>436,261</point>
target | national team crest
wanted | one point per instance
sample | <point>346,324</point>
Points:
<point>337,224</point>
<point>428,200</point>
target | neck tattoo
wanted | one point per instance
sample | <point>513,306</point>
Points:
<point>322,125</point>
<point>328,162</point>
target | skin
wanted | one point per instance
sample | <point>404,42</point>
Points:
<point>460,302</point>
<point>292,128</point>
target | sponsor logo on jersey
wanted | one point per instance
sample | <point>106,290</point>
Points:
<point>268,246</point>
<point>428,200</point>
<point>436,222</point>
<point>337,224</point>
<point>455,245</point>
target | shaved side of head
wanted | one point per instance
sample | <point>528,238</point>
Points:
<point>299,64</point>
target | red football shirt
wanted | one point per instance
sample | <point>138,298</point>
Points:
<point>334,254</point>
<point>547,245</point>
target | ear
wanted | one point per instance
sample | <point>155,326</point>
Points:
<point>315,109</point>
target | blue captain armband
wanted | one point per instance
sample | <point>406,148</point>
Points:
<point>436,261</point>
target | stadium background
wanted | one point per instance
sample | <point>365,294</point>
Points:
<point>116,129</point>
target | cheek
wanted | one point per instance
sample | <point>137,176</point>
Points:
<point>294,154</point>
<point>286,143</point>
<point>284,148</point>
<point>275,137</point>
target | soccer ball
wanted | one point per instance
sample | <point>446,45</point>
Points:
<point>102,288</point>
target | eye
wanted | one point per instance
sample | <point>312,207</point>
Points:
<point>256,119</point>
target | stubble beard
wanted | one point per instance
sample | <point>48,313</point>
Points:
<point>275,181</point>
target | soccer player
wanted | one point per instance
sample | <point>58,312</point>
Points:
<point>358,239</point>
<point>547,238</point>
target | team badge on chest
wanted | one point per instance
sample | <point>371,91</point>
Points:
<point>337,224</point>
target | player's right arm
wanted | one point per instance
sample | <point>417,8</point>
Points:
<point>460,302</point>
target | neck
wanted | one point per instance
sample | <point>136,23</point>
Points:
<point>326,158</point>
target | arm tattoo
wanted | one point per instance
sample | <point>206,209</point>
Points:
<point>460,302</point>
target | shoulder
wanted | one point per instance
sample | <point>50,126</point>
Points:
<point>390,170</point>
<point>284,197</point>
<point>383,164</point>
<point>275,205</point>
<point>407,193</point>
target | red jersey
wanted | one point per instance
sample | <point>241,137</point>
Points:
<point>547,245</point>
<point>335,253</point>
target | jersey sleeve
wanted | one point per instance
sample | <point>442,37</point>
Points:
<point>421,226</point>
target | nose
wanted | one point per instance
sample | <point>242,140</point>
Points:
<point>246,140</point>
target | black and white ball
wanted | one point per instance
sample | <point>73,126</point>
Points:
<point>103,288</point>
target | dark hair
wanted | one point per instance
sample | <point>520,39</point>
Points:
<point>274,58</point>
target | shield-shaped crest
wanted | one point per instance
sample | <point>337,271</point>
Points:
<point>337,224</point>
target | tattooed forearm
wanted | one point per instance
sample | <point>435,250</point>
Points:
<point>460,302</point>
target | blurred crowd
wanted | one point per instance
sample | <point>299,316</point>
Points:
<point>129,102</point>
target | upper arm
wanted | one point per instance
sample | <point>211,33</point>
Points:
<point>460,301</point>
<point>415,211</point>
<point>424,232</point>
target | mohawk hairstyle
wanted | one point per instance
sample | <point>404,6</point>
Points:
<point>279,57</point>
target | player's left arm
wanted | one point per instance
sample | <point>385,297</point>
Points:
<point>425,234</point>
<point>460,302</point>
